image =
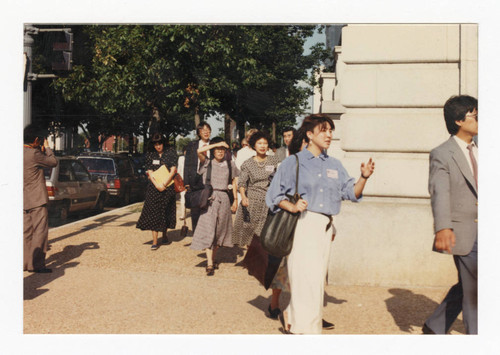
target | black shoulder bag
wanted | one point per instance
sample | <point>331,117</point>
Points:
<point>230,183</point>
<point>277,234</point>
<point>199,198</point>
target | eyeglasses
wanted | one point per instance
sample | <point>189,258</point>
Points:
<point>474,116</point>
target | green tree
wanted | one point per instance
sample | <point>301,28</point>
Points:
<point>135,79</point>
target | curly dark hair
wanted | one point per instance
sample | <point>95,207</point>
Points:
<point>256,136</point>
<point>157,138</point>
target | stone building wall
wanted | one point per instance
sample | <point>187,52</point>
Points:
<point>386,98</point>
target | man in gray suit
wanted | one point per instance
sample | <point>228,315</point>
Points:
<point>288,133</point>
<point>35,214</point>
<point>453,189</point>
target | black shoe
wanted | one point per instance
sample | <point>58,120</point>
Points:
<point>210,270</point>
<point>273,313</point>
<point>327,325</point>
<point>427,330</point>
<point>166,241</point>
<point>41,271</point>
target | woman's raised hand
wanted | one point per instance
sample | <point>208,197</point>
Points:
<point>368,168</point>
<point>222,144</point>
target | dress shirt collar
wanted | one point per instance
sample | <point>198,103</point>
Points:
<point>308,155</point>
<point>463,144</point>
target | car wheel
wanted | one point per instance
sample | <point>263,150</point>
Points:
<point>126,198</point>
<point>63,212</point>
<point>99,206</point>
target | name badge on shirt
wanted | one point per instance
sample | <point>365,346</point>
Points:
<point>333,174</point>
<point>269,168</point>
<point>156,162</point>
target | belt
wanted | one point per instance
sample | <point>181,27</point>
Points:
<point>330,222</point>
<point>225,190</point>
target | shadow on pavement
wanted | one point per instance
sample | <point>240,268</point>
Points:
<point>262,303</point>
<point>58,262</point>
<point>330,299</point>
<point>225,255</point>
<point>410,310</point>
<point>96,223</point>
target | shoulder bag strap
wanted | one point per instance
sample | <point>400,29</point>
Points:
<point>230,181</point>
<point>209,173</point>
<point>297,176</point>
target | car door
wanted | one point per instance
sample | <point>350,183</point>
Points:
<point>67,185</point>
<point>88,191</point>
<point>131,176</point>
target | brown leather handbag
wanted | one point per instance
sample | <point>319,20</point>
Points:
<point>179,183</point>
<point>260,264</point>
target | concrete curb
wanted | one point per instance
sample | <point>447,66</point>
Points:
<point>85,220</point>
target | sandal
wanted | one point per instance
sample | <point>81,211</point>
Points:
<point>210,270</point>
<point>286,329</point>
<point>154,247</point>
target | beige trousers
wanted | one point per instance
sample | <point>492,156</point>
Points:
<point>36,233</point>
<point>307,268</point>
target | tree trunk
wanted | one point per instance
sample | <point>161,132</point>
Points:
<point>241,129</point>
<point>197,118</point>
<point>273,138</point>
<point>227,128</point>
<point>131,146</point>
<point>155,121</point>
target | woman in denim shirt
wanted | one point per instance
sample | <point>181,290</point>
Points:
<point>323,184</point>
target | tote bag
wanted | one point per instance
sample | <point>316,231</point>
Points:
<point>277,234</point>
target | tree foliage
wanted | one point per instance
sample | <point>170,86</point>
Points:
<point>131,79</point>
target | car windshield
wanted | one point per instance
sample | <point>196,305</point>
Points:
<point>98,166</point>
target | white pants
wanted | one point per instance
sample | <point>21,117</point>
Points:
<point>307,268</point>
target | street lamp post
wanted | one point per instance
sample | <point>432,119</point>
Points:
<point>29,30</point>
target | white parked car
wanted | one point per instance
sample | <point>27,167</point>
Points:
<point>71,188</point>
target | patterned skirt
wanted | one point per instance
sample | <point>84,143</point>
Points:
<point>159,210</point>
<point>215,224</point>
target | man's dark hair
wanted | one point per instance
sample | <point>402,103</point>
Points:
<point>256,136</point>
<point>34,131</point>
<point>311,121</point>
<point>200,127</point>
<point>455,109</point>
<point>288,129</point>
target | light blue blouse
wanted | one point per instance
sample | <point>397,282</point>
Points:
<point>323,183</point>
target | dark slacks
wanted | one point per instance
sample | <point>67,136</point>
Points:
<point>195,216</point>
<point>460,297</point>
<point>36,233</point>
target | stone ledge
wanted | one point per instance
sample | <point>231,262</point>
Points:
<point>401,43</point>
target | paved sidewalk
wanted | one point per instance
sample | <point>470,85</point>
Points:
<point>106,280</point>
